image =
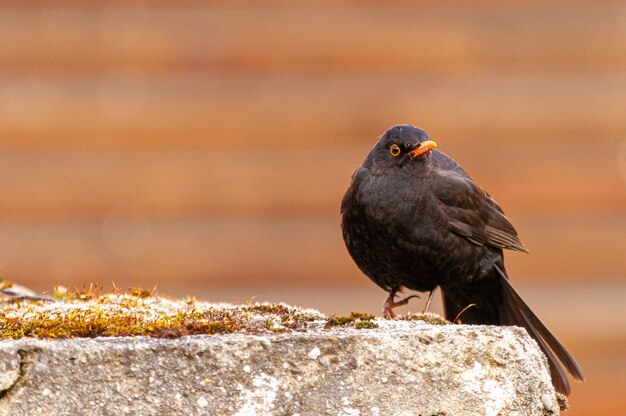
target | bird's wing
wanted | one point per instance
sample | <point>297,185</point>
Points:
<point>471,211</point>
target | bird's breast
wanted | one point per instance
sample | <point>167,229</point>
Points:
<point>393,231</point>
<point>388,200</point>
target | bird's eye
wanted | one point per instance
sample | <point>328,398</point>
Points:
<point>394,149</point>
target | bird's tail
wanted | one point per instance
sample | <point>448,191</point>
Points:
<point>497,303</point>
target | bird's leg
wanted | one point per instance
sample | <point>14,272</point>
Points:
<point>389,304</point>
<point>430,299</point>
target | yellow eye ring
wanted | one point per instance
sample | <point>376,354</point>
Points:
<point>394,149</point>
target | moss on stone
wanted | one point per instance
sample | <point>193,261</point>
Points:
<point>429,318</point>
<point>357,319</point>
<point>90,313</point>
<point>365,325</point>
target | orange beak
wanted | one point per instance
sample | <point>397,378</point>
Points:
<point>423,148</point>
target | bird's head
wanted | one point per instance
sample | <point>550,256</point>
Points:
<point>401,146</point>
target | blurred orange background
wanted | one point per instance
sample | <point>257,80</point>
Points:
<point>204,147</point>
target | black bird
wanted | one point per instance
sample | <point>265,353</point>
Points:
<point>413,218</point>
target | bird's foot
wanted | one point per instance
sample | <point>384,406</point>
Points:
<point>430,299</point>
<point>389,304</point>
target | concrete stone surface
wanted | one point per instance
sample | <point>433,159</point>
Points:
<point>399,368</point>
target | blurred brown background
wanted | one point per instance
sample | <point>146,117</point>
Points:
<point>204,147</point>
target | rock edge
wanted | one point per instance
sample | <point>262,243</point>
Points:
<point>399,368</point>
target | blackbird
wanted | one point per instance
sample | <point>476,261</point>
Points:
<point>413,218</point>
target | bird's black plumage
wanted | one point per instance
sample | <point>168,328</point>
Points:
<point>415,219</point>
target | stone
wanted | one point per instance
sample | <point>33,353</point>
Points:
<point>384,370</point>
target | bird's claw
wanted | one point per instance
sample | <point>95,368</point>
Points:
<point>389,304</point>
